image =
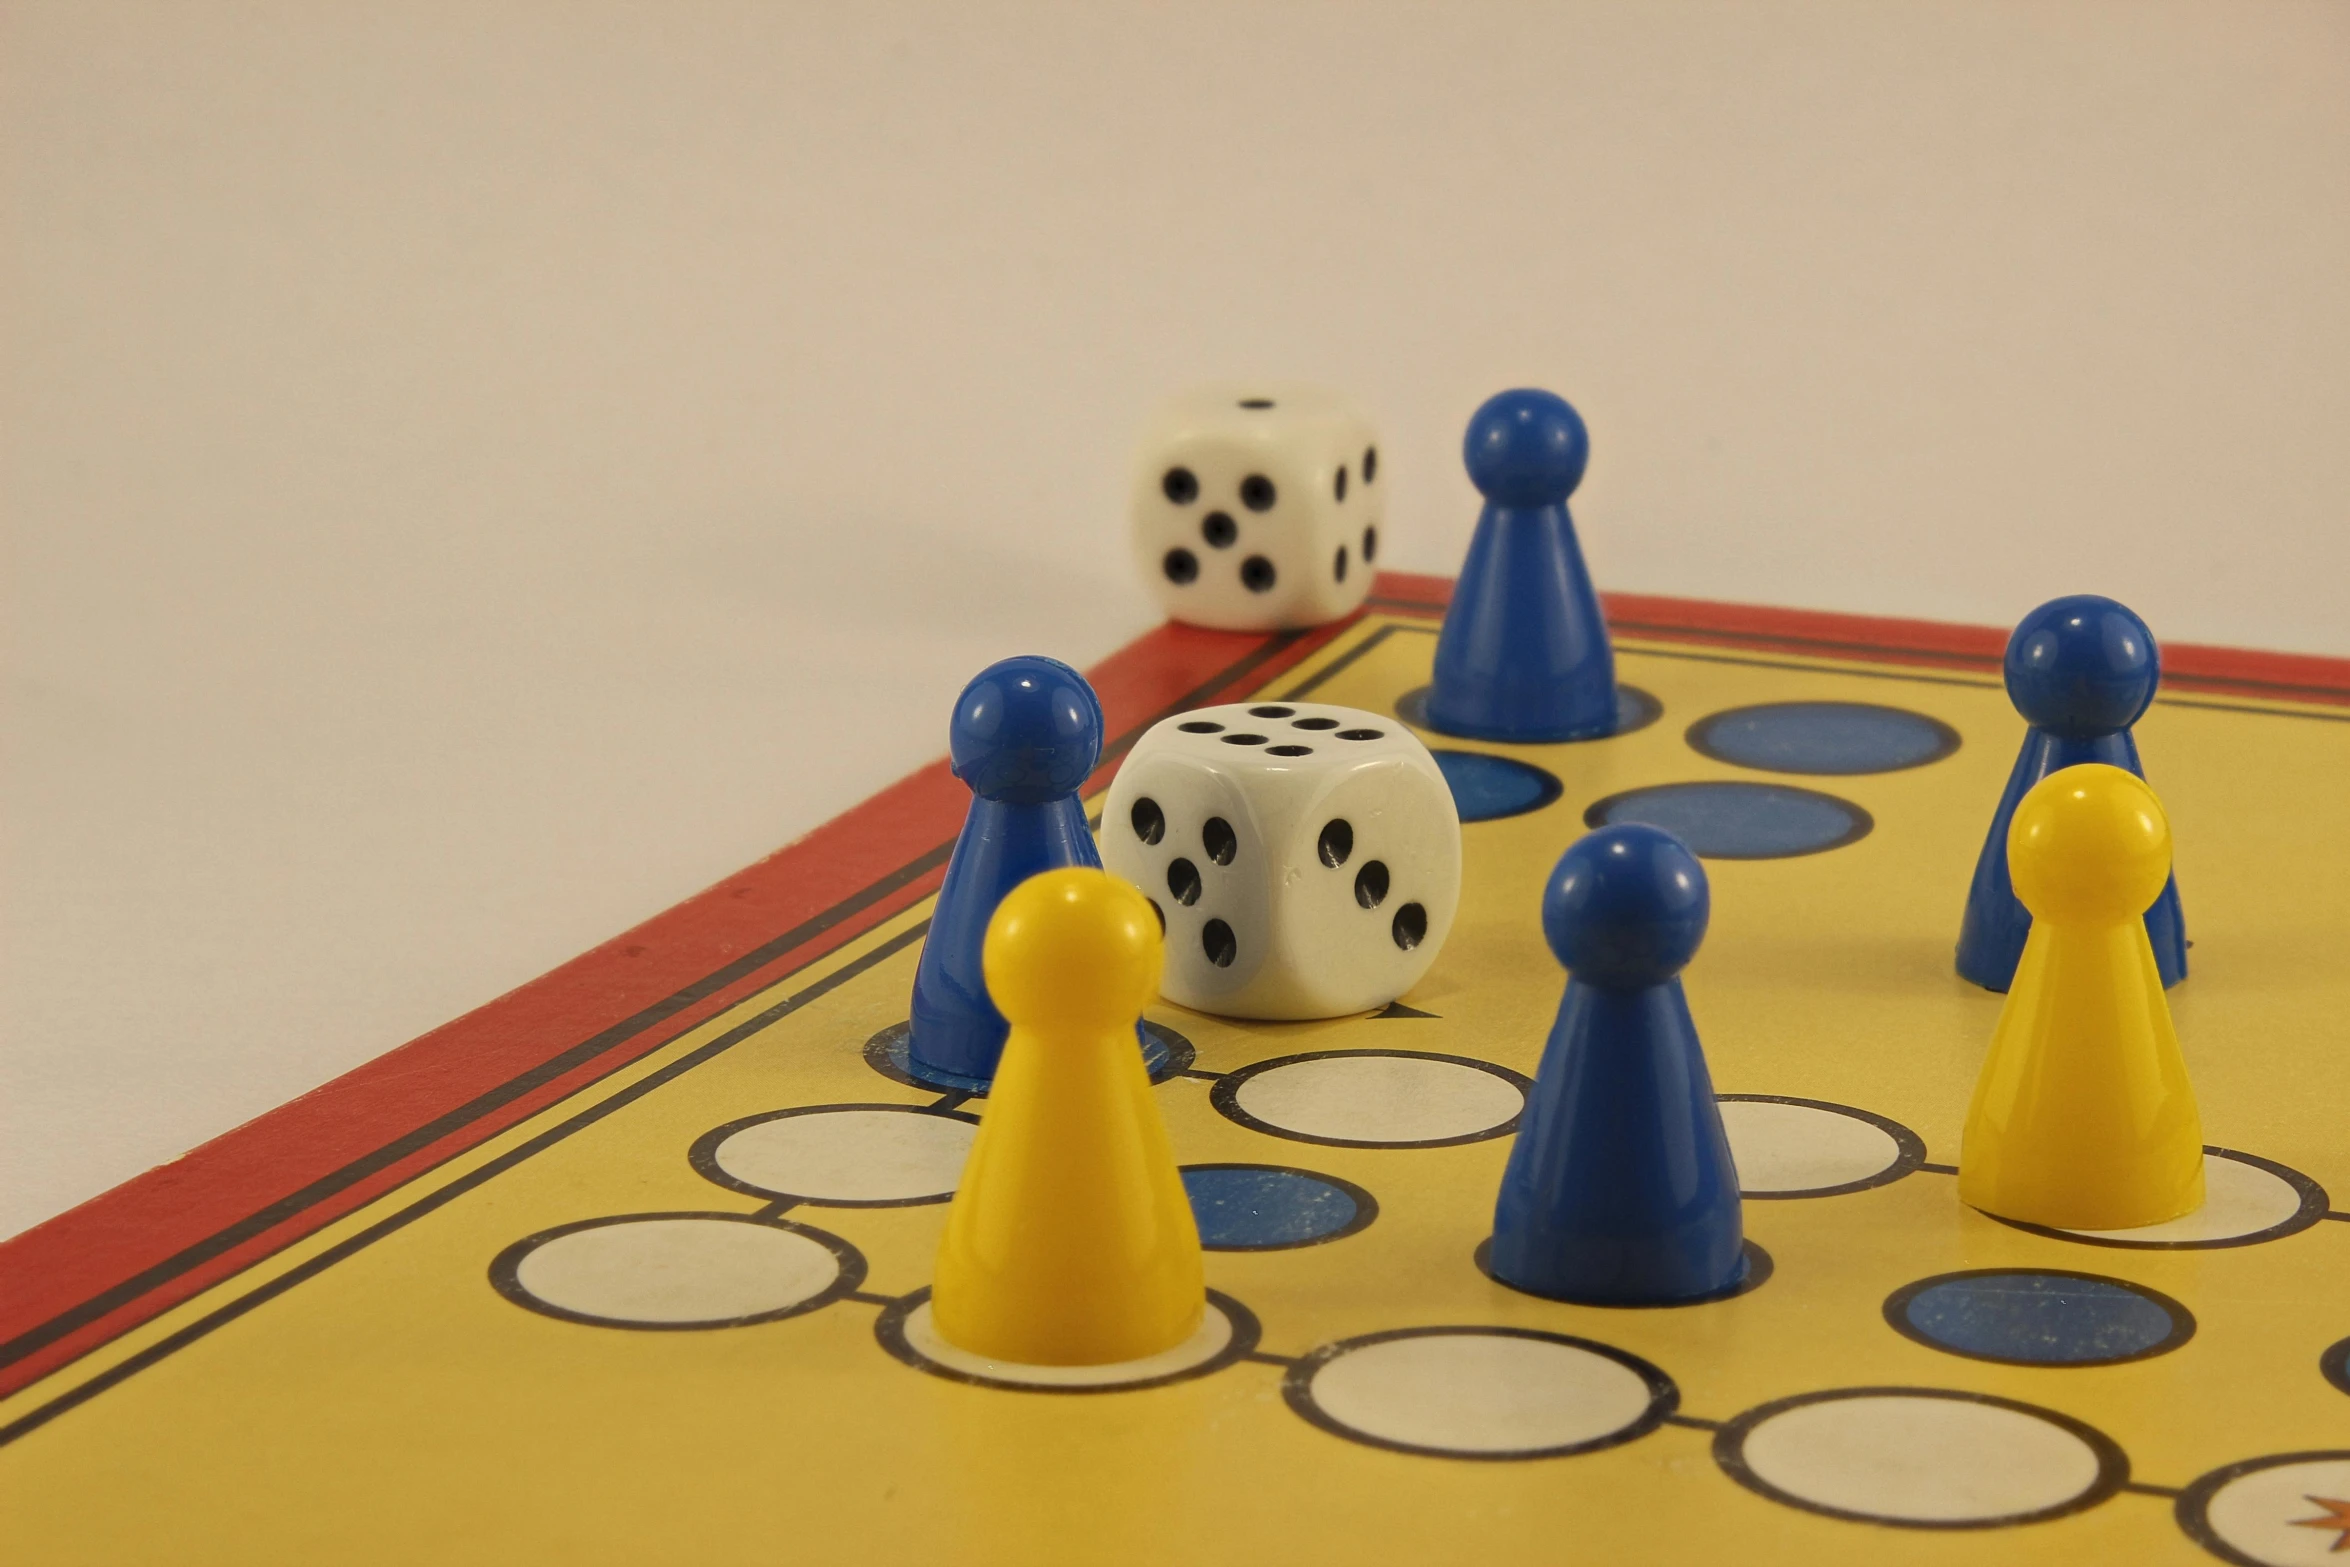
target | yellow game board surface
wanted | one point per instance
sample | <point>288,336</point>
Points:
<point>680,1315</point>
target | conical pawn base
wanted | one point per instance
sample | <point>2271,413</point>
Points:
<point>1620,1188</point>
<point>1524,652</point>
<point>2083,1117</point>
<point>1070,1241</point>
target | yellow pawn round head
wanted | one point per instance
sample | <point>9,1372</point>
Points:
<point>1070,1241</point>
<point>1073,951</point>
<point>2089,843</point>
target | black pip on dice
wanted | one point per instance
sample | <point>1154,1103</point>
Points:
<point>1306,858</point>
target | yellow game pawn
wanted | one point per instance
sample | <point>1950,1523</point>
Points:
<point>1070,1241</point>
<point>2083,1118</point>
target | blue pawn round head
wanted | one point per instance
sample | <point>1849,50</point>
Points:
<point>1626,907</point>
<point>2082,667</point>
<point>1025,731</point>
<point>1526,448</point>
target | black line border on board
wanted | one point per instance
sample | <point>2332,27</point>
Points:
<point>1366,1205</point>
<point>1834,650</point>
<point>1858,823</point>
<point>1699,737</point>
<point>1909,1149</point>
<point>1297,1390</point>
<point>2192,1510</point>
<point>270,1216</point>
<point>441,1196</point>
<point>1549,788</point>
<point>1989,682</point>
<point>2113,1465</point>
<point>889,1330</point>
<point>1346,660</point>
<point>1795,643</point>
<point>506,1272</point>
<point>703,1155</point>
<point>2313,1208</point>
<point>2182,1321</point>
<point>1225,1097</point>
<point>604,1041</point>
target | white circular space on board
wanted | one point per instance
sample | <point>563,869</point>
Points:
<point>678,1270</point>
<point>1470,1392</point>
<point>1782,1149</point>
<point>1212,1339</point>
<point>2238,1199</point>
<point>1920,1460</point>
<point>2276,1515</point>
<point>851,1156</point>
<point>1380,1099</point>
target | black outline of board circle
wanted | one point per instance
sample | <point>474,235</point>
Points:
<point>1180,1055</point>
<point>2334,1364</point>
<point>1548,793</point>
<point>1909,1149</point>
<point>1366,1205</point>
<point>2192,1510</point>
<point>1647,708</point>
<point>1225,1097</point>
<point>1297,1391</point>
<point>703,1155</point>
<point>506,1278</point>
<point>1859,823</point>
<point>2314,1202</point>
<point>1698,738</point>
<point>2113,1465</point>
<point>1760,1266</point>
<point>889,1329</point>
<point>2182,1321</point>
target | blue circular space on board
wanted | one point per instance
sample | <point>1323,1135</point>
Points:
<point>1738,821</point>
<point>2040,1319</point>
<point>1824,738</point>
<point>1635,709</point>
<point>890,1052</point>
<point>1486,788</point>
<point>1260,1207</point>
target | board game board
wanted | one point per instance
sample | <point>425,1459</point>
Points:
<point>631,1265</point>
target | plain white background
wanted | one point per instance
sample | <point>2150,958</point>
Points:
<point>477,473</point>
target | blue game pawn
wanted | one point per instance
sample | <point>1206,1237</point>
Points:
<point>1524,653</point>
<point>1620,1190</point>
<point>1025,736</point>
<point>2081,670</point>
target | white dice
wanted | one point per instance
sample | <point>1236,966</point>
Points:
<point>1306,858</point>
<point>1257,507</point>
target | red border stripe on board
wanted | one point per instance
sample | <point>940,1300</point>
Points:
<point>2186,666</point>
<point>94,1272</point>
<point>120,1258</point>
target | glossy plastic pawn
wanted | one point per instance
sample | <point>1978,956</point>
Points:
<point>1025,736</point>
<point>2083,1117</point>
<point>2081,670</point>
<point>1620,1190</point>
<point>1524,654</point>
<point>1070,1241</point>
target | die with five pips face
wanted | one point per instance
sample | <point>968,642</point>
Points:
<point>1257,508</point>
<point>1306,858</point>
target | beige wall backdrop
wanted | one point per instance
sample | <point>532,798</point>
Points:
<point>476,473</point>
